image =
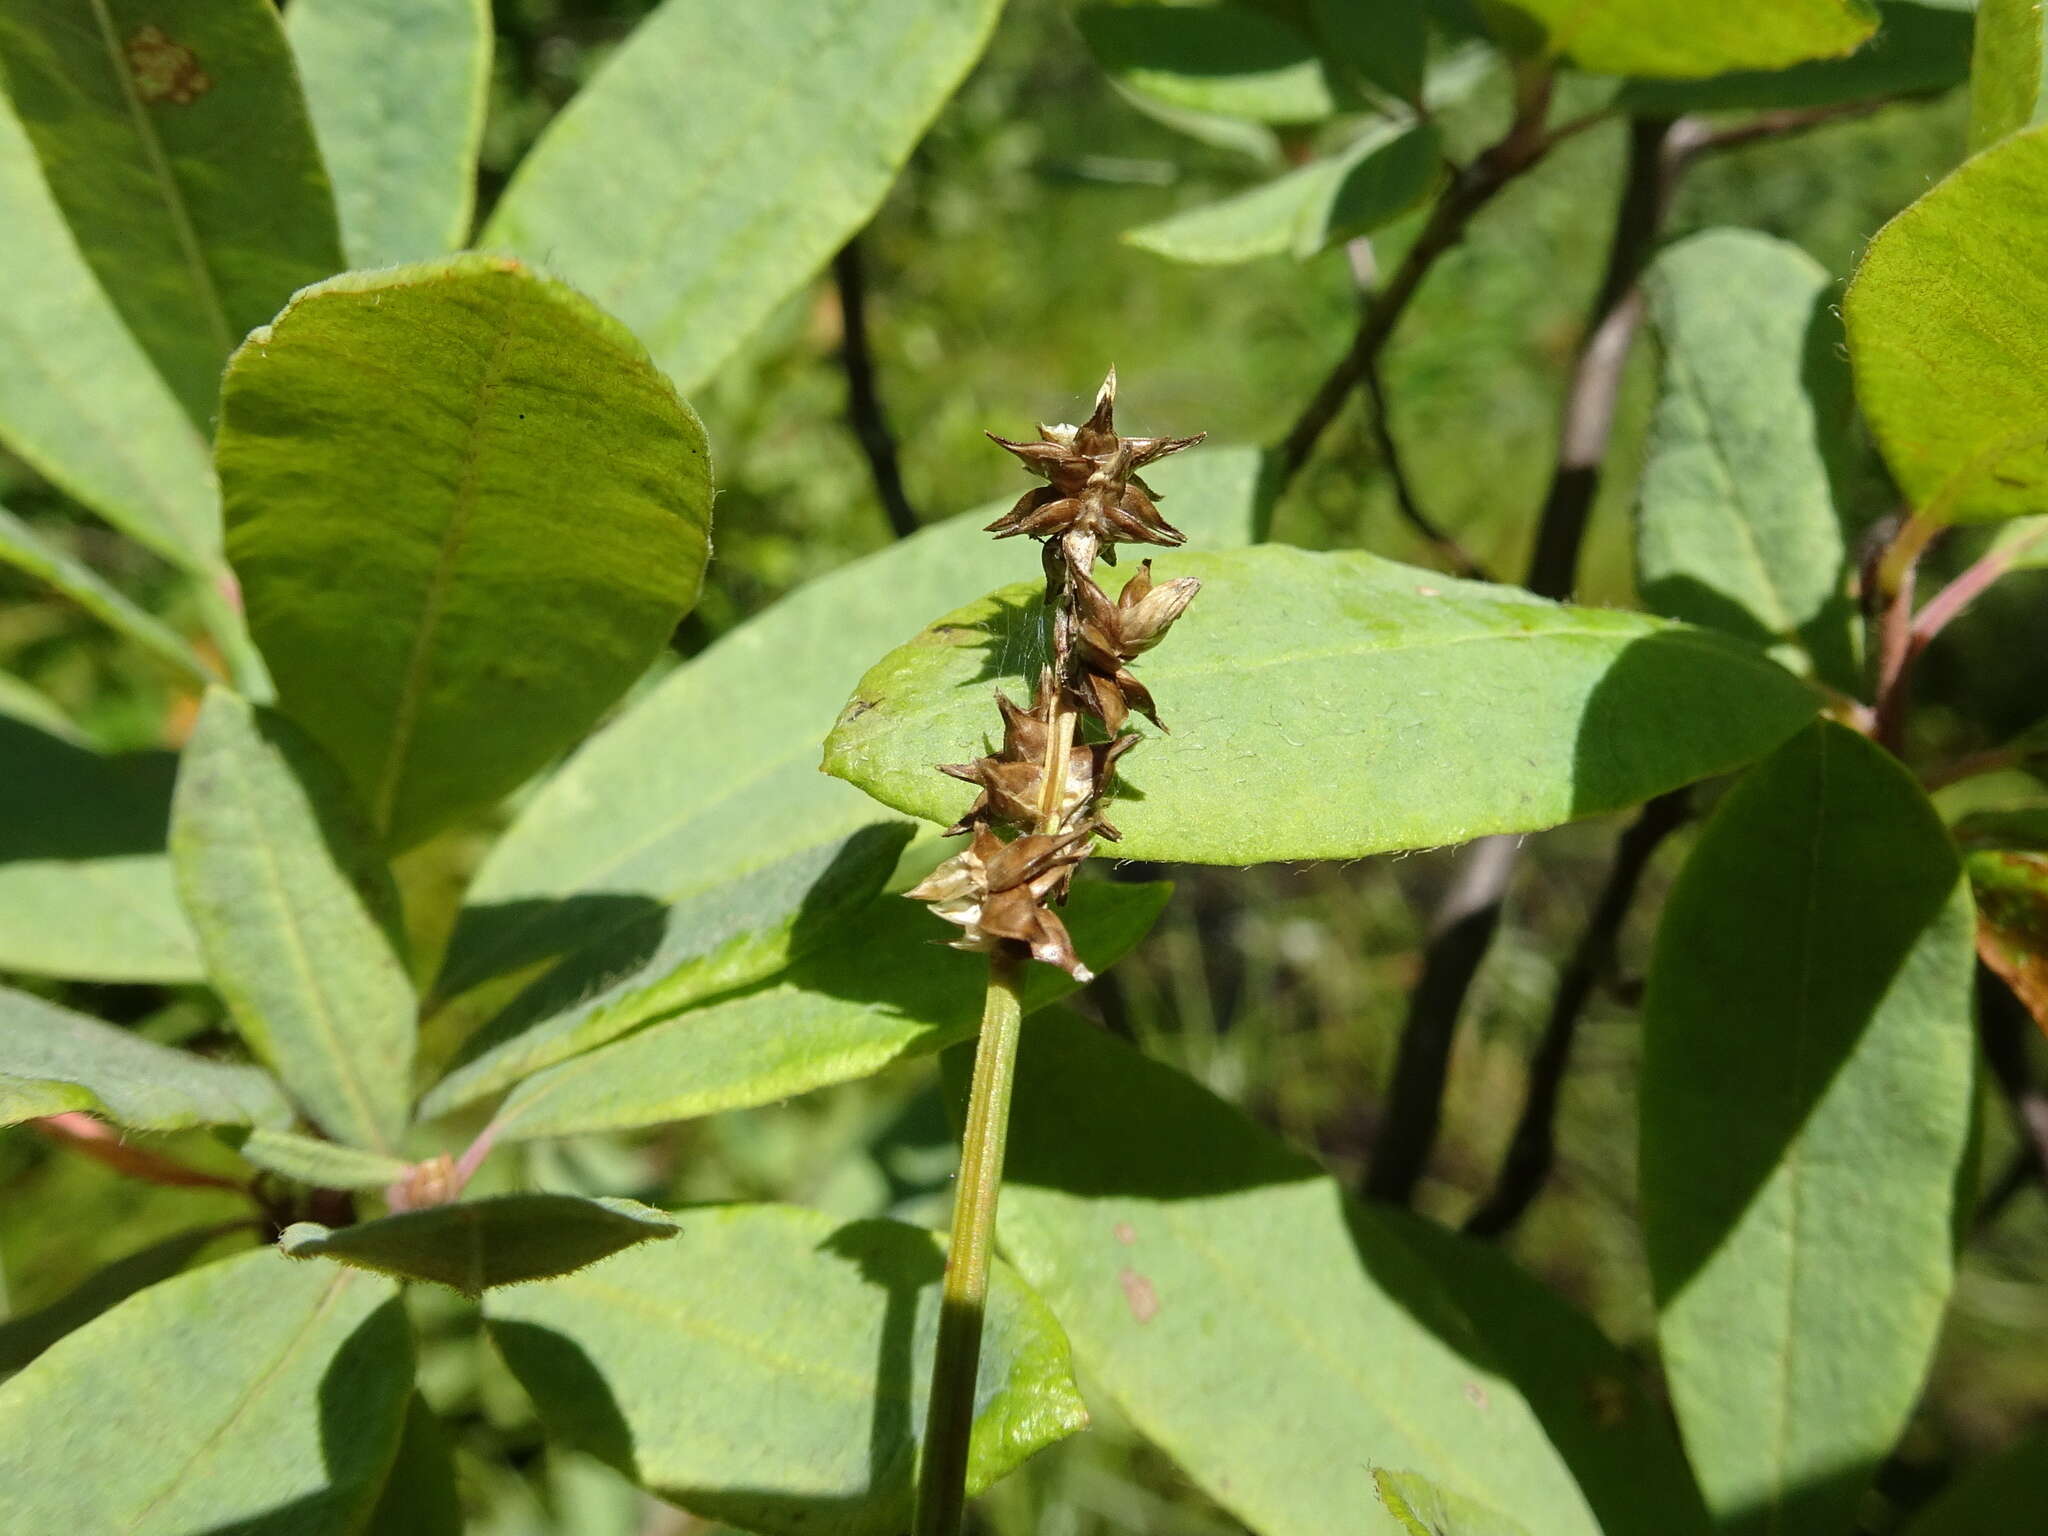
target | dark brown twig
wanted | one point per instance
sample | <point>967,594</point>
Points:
<point>1532,1151</point>
<point>1459,935</point>
<point>1446,546</point>
<point>1660,151</point>
<point>1522,147</point>
<point>863,400</point>
<point>107,1144</point>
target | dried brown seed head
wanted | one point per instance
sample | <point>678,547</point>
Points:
<point>1095,499</point>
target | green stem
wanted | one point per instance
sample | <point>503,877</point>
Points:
<point>949,1420</point>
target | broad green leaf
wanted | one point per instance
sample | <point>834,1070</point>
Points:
<point>1662,40</point>
<point>1382,43</point>
<point>467,512</point>
<point>1736,528</point>
<point>1424,1509</point>
<point>749,141</point>
<point>85,888</point>
<point>1919,48</point>
<point>397,90</point>
<point>2008,70</point>
<point>131,1081</point>
<point>1998,1497</point>
<point>1813,967</point>
<point>1948,335</point>
<point>660,811</point>
<point>322,1164</point>
<point>1310,209</point>
<point>1334,705</point>
<point>174,138</point>
<point>27,1336</point>
<point>78,398</point>
<point>821,1363</point>
<point>420,1496</point>
<point>661,959</point>
<point>24,549</point>
<point>478,1244</point>
<point>883,990</point>
<point>2011,886</point>
<point>1230,58</point>
<point>297,916</point>
<point>252,1396</point>
<point>1280,1340</point>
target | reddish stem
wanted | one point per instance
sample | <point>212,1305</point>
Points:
<point>105,1144</point>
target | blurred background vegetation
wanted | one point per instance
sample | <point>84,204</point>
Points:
<point>998,292</point>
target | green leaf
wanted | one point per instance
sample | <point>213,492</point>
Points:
<point>399,454</point>
<point>1918,49</point>
<point>397,90</point>
<point>1334,705</point>
<point>744,184</point>
<point>249,1395</point>
<point>1948,335</point>
<point>659,811</point>
<point>1279,1340</point>
<point>2008,70</point>
<point>821,1376</point>
<point>1814,968</point>
<point>1310,209</point>
<point>78,398</point>
<point>1663,40</point>
<point>885,989</point>
<point>1737,526</point>
<point>22,548</point>
<point>1231,59</point>
<point>84,883</point>
<point>129,1080</point>
<point>478,1244</point>
<point>1424,1509</point>
<point>297,916</point>
<point>1994,1498</point>
<point>27,1336</point>
<point>322,1164</point>
<point>174,138</point>
<point>1383,43</point>
<point>420,1496</point>
<point>653,960</point>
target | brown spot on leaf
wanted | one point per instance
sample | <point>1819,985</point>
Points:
<point>165,71</point>
<point>1139,1295</point>
<point>1475,1394</point>
<point>1125,1233</point>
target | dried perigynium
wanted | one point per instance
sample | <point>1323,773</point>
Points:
<point>1042,791</point>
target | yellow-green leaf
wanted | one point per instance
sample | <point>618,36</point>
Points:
<point>467,512</point>
<point>1333,705</point>
<point>1948,336</point>
<point>768,1368</point>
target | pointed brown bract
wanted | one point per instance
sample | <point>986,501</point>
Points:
<point>1095,499</point>
<point>1109,635</point>
<point>996,892</point>
<point>1024,846</point>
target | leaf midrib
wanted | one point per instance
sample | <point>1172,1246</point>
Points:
<point>167,184</point>
<point>405,711</point>
<point>343,1061</point>
<point>211,1443</point>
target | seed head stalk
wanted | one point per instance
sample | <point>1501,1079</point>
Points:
<point>1044,787</point>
